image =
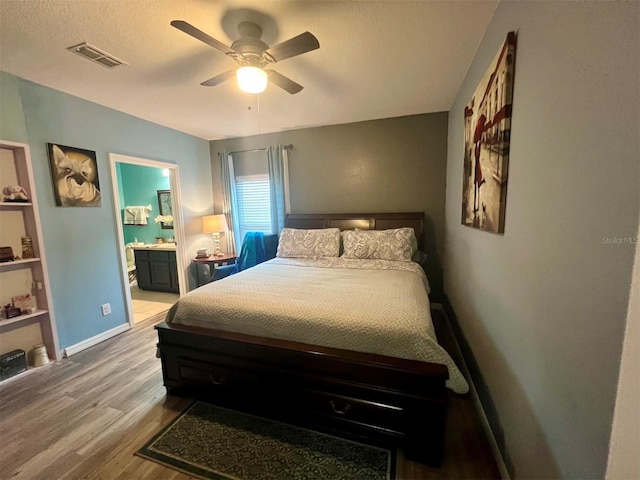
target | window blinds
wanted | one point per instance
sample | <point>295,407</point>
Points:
<point>254,204</point>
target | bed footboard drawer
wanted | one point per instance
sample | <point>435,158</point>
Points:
<point>211,375</point>
<point>359,410</point>
<point>364,410</point>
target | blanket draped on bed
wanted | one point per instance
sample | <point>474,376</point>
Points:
<point>252,252</point>
<point>371,306</point>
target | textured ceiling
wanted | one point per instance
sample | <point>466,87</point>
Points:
<point>376,59</point>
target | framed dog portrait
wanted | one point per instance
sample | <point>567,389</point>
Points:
<point>74,172</point>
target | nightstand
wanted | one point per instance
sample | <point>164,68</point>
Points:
<point>205,266</point>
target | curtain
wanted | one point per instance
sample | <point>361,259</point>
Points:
<point>229,200</point>
<point>279,185</point>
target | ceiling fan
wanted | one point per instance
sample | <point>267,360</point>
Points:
<point>252,54</point>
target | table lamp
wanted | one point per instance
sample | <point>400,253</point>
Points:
<point>215,224</point>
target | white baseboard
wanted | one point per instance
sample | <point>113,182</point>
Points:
<point>493,444</point>
<point>90,342</point>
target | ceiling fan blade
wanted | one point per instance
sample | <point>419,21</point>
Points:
<point>203,37</point>
<point>284,83</point>
<point>218,79</point>
<point>303,43</point>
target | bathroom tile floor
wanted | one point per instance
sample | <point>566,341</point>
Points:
<point>146,303</point>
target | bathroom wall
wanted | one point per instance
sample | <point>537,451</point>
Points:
<point>139,186</point>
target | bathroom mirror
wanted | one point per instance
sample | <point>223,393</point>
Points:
<point>164,204</point>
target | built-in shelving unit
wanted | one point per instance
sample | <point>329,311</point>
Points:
<point>13,264</point>
<point>28,275</point>
<point>13,205</point>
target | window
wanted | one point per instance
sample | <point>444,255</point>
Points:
<point>254,204</point>
<point>252,180</point>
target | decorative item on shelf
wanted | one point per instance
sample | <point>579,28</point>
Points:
<point>215,225</point>
<point>6,254</point>
<point>25,302</point>
<point>40,356</point>
<point>11,311</point>
<point>159,240</point>
<point>14,193</point>
<point>27,247</point>
<point>12,363</point>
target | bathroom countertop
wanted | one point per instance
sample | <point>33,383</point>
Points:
<point>156,246</point>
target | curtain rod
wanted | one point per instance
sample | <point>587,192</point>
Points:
<point>257,150</point>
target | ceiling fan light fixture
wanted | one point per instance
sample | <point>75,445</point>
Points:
<point>252,54</point>
<point>252,79</point>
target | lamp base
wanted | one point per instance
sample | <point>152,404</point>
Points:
<point>216,245</point>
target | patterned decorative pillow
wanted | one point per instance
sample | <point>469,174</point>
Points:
<point>315,243</point>
<point>396,244</point>
<point>414,244</point>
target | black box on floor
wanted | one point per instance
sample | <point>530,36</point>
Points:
<point>12,363</point>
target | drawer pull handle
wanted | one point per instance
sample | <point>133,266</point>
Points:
<point>337,410</point>
<point>217,380</point>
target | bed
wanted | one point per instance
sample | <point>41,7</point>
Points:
<point>289,339</point>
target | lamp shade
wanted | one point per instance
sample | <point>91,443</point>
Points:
<point>214,223</point>
<point>251,79</point>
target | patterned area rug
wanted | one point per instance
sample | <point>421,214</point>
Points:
<point>211,442</point>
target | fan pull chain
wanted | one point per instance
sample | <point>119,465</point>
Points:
<point>259,124</point>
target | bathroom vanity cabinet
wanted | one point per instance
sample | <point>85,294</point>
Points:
<point>156,269</point>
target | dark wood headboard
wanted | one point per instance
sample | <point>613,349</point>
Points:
<point>363,221</point>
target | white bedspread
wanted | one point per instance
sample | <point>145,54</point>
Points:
<point>372,306</point>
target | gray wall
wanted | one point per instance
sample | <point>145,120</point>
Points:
<point>250,163</point>
<point>81,243</point>
<point>543,306</point>
<point>390,165</point>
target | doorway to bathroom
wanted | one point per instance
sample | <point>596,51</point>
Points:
<point>150,230</point>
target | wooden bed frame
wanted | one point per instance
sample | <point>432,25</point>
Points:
<point>371,398</point>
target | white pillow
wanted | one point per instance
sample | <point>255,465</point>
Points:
<point>314,243</point>
<point>396,244</point>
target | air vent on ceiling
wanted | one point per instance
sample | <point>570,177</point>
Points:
<point>96,55</point>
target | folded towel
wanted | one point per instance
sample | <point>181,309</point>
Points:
<point>136,215</point>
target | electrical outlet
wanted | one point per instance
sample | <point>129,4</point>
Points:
<point>106,309</point>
